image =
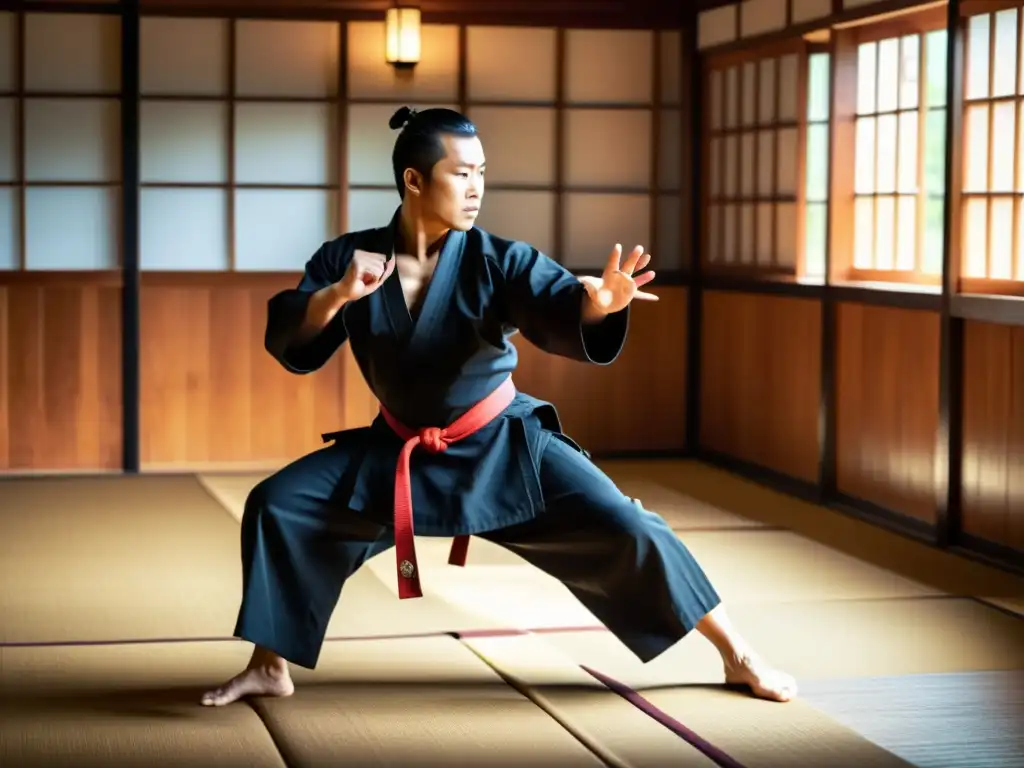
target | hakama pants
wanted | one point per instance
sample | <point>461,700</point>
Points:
<point>622,562</point>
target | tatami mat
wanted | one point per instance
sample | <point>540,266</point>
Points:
<point>754,566</point>
<point>115,558</point>
<point>758,734</point>
<point>126,706</point>
<point>840,639</point>
<point>946,571</point>
<point>628,735</point>
<point>965,720</point>
<point>231,489</point>
<point>422,702</point>
<point>370,607</point>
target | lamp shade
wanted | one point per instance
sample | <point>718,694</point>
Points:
<point>402,32</point>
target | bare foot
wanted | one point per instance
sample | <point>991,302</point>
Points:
<point>762,680</point>
<point>257,680</point>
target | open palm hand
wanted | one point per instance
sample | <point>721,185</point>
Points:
<point>621,281</point>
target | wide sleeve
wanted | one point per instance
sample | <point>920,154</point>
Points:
<point>544,301</point>
<point>286,312</point>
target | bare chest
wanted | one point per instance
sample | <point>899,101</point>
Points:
<point>414,276</point>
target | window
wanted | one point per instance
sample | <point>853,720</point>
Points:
<point>888,194</point>
<point>991,243</point>
<point>766,162</point>
<point>899,158</point>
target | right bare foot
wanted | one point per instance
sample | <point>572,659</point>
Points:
<point>257,680</point>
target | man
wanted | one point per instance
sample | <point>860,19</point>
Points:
<point>433,343</point>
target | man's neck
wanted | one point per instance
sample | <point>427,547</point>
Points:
<point>416,237</point>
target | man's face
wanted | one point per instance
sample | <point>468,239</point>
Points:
<point>453,194</point>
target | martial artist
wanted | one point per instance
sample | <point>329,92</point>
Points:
<point>428,304</point>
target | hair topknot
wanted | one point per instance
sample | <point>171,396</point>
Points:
<point>401,117</point>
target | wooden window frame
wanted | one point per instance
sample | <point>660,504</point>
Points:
<point>724,61</point>
<point>989,285</point>
<point>843,116</point>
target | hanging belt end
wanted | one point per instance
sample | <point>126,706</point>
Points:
<point>459,551</point>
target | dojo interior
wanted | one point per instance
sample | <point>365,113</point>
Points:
<point>827,402</point>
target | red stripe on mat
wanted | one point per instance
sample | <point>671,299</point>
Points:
<point>694,739</point>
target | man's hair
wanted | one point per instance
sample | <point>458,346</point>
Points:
<point>419,145</point>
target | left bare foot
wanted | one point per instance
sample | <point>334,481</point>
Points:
<point>762,680</point>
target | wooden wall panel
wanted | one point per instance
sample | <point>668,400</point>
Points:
<point>993,433</point>
<point>887,406</point>
<point>60,372</point>
<point>212,397</point>
<point>636,404</point>
<point>760,380</point>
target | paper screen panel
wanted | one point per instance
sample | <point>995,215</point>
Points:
<point>608,66</point>
<point>667,250</point>
<point>595,223</point>
<point>278,230</point>
<point>72,53</point>
<point>758,17</point>
<point>671,68</point>
<point>89,231</point>
<point>292,59</point>
<point>183,229</point>
<point>278,143</point>
<point>609,148</point>
<point>510,64</point>
<point>166,67</point>
<point>8,136</point>
<point>717,26</point>
<point>371,208</point>
<point>806,10</point>
<point>8,52</point>
<point>10,224</point>
<point>72,140</point>
<point>670,138</point>
<point>182,141</point>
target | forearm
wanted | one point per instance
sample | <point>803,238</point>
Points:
<point>321,309</point>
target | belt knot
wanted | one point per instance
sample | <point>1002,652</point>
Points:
<point>434,439</point>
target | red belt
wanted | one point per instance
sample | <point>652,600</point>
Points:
<point>435,440</point>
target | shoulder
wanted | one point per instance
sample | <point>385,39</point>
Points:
<point>510,257</point>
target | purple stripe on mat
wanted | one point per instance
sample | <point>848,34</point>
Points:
<point>693,739</point>
<point>468,633</point>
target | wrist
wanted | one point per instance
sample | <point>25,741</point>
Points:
<point>593,312</point>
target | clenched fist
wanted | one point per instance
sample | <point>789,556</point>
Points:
<point>365,274</point>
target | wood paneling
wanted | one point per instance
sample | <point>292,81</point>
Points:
<point>636,404</point>
<point>887,406</point>
<point>213,397</point>
<point>993,433</point>
<point>760,380</point>
<point>60,372</point>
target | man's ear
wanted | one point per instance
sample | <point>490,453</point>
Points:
<point>413,181</point>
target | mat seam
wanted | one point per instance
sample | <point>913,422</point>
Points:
<point>282,753</point>
<point>579,734</point>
